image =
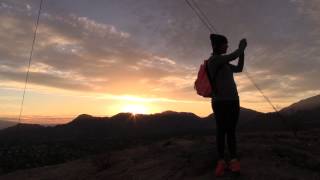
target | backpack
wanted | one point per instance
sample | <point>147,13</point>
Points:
<point>203,84</point>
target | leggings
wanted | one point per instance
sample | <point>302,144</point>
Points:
<point>226,115</point>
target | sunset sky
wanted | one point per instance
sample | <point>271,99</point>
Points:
<point>102,57</point>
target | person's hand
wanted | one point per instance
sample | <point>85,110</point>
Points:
<point>243,44</point>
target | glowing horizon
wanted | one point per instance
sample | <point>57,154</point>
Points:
<point>127,104</point>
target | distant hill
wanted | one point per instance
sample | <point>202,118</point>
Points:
<point>311,103</point>
<point>305,113</point>
<point>4,124</point>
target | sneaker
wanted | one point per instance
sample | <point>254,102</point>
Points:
<point>234,166</point>
<point>221,165</point>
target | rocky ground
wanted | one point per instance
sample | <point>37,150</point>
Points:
<point>276,155</point>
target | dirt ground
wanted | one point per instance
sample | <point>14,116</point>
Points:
<point>263,156</point>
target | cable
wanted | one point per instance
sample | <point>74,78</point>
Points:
<point>200,17</point>
<point>261,92</point>
<point>204,16</point>
<point>281,117</point>
<point>30,59</point>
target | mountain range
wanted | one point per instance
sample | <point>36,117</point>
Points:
<point>33,145</point>
<point>172,122</point>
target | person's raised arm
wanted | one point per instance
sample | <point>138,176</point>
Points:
<point>235,54</point>
<point>239,67</point>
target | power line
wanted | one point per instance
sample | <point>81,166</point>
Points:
<point>206,23</point>
<point>284,120</point>
<point>30,59</point>
<point>213,29</point>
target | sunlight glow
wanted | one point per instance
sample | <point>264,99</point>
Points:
<point>135,109</point>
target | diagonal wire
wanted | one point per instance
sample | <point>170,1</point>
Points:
<point>30,59</point>
<point>204,16</point>
<point>284,120</point>
<point>259,89</point>
<point>200,17</point>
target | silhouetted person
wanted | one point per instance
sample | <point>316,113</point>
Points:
<point>225,99</point>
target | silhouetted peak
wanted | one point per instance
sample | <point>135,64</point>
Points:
<point>169,112</point>
<point>5,124</point>
<point>84,116</point>
<point>28,125</point>
<point>244,113</point>
<point>305,104</point>
<point>82,119</point>
<point>25,126</point>
<point>242,109</point>
<point>123,116</point>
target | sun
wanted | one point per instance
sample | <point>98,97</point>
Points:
<point>135,109</point>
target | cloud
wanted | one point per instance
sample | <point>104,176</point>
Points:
<point>283,42</point>
<point>79,53</point>
<point>308,7</point>
<point>155,47</point>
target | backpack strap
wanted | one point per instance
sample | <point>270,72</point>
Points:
<point>208,74</point>
<point>212,80</point>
